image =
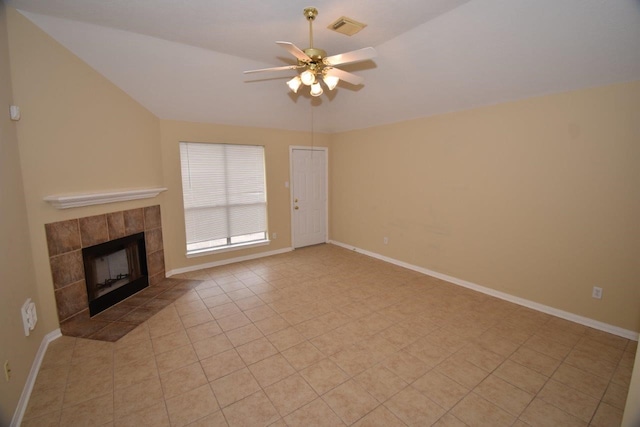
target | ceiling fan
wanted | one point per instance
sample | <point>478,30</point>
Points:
<point>316,63</point>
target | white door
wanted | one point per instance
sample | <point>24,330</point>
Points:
<point>309,195</point>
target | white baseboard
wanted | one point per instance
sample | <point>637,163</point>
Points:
<point>615,330</point>
<point>31,379</point>
<point>226,261</point>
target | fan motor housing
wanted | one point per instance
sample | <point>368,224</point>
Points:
<point>315,54</point>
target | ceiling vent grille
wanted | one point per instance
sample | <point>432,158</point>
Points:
<point>347,26</point>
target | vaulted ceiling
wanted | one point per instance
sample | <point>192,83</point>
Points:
<point>183,59</point>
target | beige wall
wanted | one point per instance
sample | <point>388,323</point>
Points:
<point>17,281</point>
<point>276,143</point>
<point>78,133</point>
<point>538,198</point>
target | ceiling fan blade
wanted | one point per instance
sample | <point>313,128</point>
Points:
<point>349,57</point>
<point>286,67</point>
<point>346,76</point>
<point>295,51</point>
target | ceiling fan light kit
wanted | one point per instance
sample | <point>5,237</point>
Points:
<point>316,63</point>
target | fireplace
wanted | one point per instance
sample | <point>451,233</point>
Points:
<point>69,240</point>
<point>114,271</point>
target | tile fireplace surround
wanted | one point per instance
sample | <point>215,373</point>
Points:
<point>65,240</point>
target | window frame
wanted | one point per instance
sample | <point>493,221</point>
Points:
<point>205,247</point>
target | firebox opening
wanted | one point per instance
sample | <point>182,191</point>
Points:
<point>114,271</point>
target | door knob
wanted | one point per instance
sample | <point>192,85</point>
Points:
<point>296,208</point>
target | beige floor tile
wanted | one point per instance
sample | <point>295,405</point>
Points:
<point>350,401</point>
<point>400,336</point>
<point>616,396</point>
<point>441,389</point>
<point>380,382</point>
<point>95,365</point>
<point>257,350</point>
<point>286,338</point>
<point>240,294</point>
<point>124,356</point>
<point>542,414</point>
<point>324,376</point>
<point>204,330</point>
<point>88,388</point>
<point>272,324</point>
<point>182,379</point>
<point>622,376</point>
<point>155,415</point>
<point>176,358</point>
<point>569,400</point>
<point>360,324</point>
<point>137,397</point>
<point>233,321</point>
<point>211,346</point>
<point>97,411</point>
<point>210,290</point>
<point>271,370</point>
<point>495,342</point>
<point>379,417</point>
<point>51,377</point>
<point>45,402</point>
<point>461,371</point>
<point>224,310</point>
<point>406,366</point>
<point>191,406</point>
<point>590,363</point>
<point>449,420</point>
<point>481,357</point>
<point>538,362</point>
<point>254,410</point>
<point>316,413</point>
<point>606,416</point>
<point>85,348</point>
<point>135,372</point>
<point>188,307</point>
<point>212,420</point>
<point>216,301</point>
<point>244,335</point>
<point>548,347</point>
<point>600,350</point>
<point>235,386</point>
<point>580,380</point>
<point>476,411</point>
<point>302,355</point>
<point>51,419</point>
<point>414,408</point>
<point>259,313</point>
<point>504,395</point>
<point>290,394</point>
<point>521,376</point>
<point>169,341</point>
<point>222,364</point>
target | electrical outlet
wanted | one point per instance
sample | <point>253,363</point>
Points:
<point>385,240</point>
<point>597,292</point>
<point>7,370</point>
<point>274,236</point>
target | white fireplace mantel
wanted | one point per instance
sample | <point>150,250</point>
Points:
<point>87,199</point>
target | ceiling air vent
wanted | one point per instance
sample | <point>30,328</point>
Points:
<point>346,26</point>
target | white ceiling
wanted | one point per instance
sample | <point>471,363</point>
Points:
<point>183,59</point>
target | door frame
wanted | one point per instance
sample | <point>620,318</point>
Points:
<point>325,150</point>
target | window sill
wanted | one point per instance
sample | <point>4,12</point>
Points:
<point>211,251</point>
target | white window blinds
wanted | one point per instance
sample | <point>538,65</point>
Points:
<point>224,191</point>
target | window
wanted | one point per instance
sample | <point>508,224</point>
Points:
<point>225,202</point>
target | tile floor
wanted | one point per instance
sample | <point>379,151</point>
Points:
<point>323,336</point>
